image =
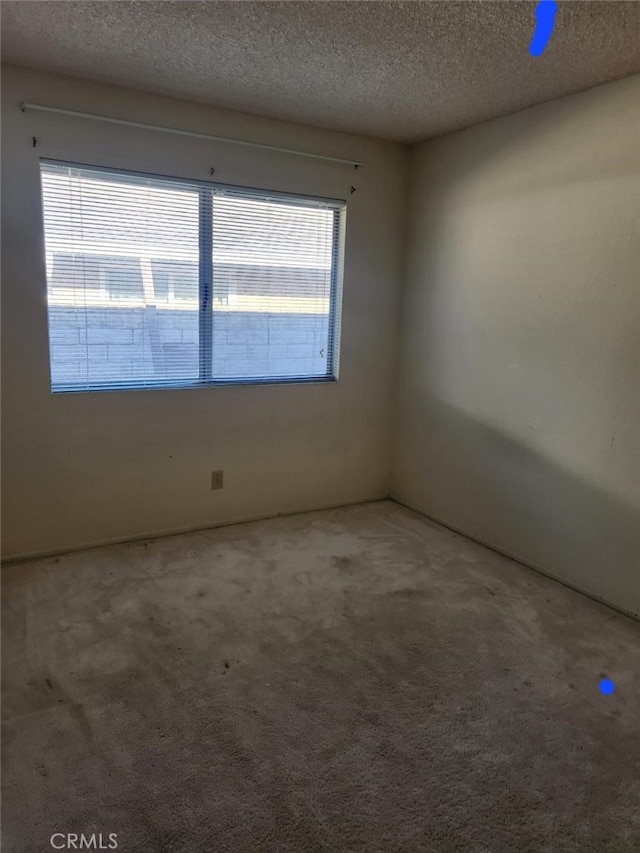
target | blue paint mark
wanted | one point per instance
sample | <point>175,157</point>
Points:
<point>607,686</point>
<point>545,18</point>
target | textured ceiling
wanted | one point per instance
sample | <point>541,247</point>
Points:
<point>395,70</point>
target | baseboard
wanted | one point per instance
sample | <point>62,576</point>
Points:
<point>518,559</point>
<point>178,531</point>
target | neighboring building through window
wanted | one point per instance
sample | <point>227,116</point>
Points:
<point>160,282</point>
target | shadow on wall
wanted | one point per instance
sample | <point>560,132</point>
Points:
<point>519,399</point>
<point>497,489</point>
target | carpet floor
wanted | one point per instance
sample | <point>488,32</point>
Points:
<point>357,679</point>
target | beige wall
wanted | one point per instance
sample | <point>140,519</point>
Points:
<point>519,407</point>
<point>518,399</point>
<point>86,468</point>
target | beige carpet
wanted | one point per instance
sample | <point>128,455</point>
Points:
<point>348,680</point>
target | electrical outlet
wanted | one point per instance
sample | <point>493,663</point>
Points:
<point>217,479</point>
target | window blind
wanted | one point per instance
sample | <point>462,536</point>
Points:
<point>157,282</point>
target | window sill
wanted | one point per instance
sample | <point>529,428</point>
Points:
<point>182,386</point>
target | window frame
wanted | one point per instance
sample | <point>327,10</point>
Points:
<point>206,192</point>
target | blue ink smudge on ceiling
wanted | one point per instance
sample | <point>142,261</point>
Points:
<point>545,20</point>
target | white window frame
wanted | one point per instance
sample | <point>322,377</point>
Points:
<point>206,190</point>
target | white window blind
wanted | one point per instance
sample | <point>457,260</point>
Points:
<point>163,282</point>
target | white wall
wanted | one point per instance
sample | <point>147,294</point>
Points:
<point>519,407</point>
<point>86,468</point>
<point>519,390</point>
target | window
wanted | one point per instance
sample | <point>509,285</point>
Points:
<point>157,282</point>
